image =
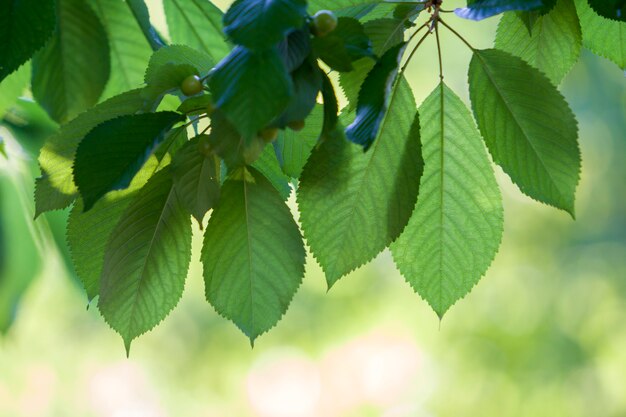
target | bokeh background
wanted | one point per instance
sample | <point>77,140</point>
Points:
<point>543,334</point>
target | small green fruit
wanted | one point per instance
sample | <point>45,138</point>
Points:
<point>297,126</point>
<point>191,85</point>
<point>269,135</point>
<point>324,22</point>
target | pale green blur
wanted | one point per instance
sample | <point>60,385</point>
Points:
<point>543,334</point>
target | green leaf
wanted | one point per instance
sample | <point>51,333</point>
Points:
<point>253,255</point>
<point>130,52</point>
<point>602,36</point>
<point>113,152</point>
<point>376,92</point>
<point>146,260</point>
<point>25,26</point>
<point>531,132</point>
<point>347,43</point>
<point>170,65</point>
<point>295,147</point>
<point>248,103</point>
<point>268,165</point>
<point>307,83</point>
<point>197,23</point>
<point>354,204</point>
<point>611,9</point>
<point>55,189</point>
<point>482,9</point>
<point>12,88</point>
<point>554,45</point>
<point>260,24</point>
<point>70,73</point>
<point>295,48</point>
<point>331,109</point>
<point>196,178</point>
<point>89,232</point>
<point>456,228</point>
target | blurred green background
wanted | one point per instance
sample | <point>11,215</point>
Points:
<point>543,334</point>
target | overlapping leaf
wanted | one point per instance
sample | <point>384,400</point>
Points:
<point>55,188</point>
<point>527,125</point>
<point>70,73</point>
<point>456,228</point>
<point>354,204</point>
<point>146,260</point>
<point>253,255</point>
<point>89,232</point>
<point>602,36</point>
<point>554,45</point>
<point>112,153</point>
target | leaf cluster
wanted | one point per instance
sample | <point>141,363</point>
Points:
<point>292,97</point>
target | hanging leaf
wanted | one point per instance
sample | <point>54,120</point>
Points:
<point>113,152</point>
<point>146,260</point>
<point>530,132</point>
<point>253,255</point>
<point>456,228</point>
<point>89,232</point>
<point>554,45</point>
<point>23,32</point>
<point>70,73</point>
<point>354,204</point>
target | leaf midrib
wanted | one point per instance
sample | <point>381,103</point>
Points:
<point>157,232</point>
<point>519,126</point>
<point>358,195</point>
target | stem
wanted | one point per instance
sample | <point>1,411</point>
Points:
<point>457,35</point>
<point>142,16</point>
<point>439,52</point>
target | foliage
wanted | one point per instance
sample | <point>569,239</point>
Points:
<point>137,163</point>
